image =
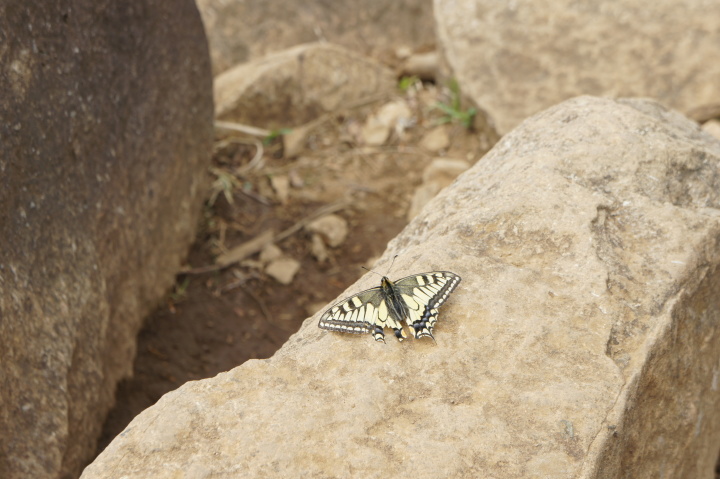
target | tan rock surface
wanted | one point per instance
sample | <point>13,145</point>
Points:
<point>582,342</point>
<point>104,143</point>
<point>298,85</point>
<point>240,31</point>
<point>436,176</point>
<point>517,58</point>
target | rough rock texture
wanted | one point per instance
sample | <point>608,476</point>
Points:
<point>436,176</point>
<point>582,342</point>
<point>240,31</point>
<point>299,84</point>
<point>106,127</point>
<point>517,58</point>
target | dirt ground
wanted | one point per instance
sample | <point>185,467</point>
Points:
<point>215,320</point>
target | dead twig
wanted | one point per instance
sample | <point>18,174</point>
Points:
<point>325,210</point>
<point>256,162</point>
<point>254,196</point>
<point>256,244</point>
<point>247,129</point>
<point>242,251</point>
<point>202,269</point>
<point>237,283</point>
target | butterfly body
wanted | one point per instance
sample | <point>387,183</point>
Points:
<point>413,299</point>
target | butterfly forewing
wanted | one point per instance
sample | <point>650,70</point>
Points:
<point>368,311</point>
<point>355,314</point>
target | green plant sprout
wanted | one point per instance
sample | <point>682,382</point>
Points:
<point>407,82</point>
<point>274,134</point>
<point>453,111</point>
<point>180,290</point>
<point>224,183</point>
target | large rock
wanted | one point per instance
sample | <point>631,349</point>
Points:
<point>517,58</point>
<point>240,31</point>
<point>105,135</point>
<point>299,84</point>
<point>582,342</point>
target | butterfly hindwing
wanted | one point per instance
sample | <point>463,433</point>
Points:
<point>414,299</point>
<point>423,294</point>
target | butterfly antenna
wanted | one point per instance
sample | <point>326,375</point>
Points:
<point>368,269</point>
<point>392,263</point>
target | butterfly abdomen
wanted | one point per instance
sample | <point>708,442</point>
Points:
<point>396,306</point>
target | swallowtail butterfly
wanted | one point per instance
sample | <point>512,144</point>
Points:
<point>414,299</point>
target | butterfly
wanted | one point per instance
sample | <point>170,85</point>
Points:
<point>414,299</point>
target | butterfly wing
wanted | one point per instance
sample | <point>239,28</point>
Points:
<point>362,313</point>
<point>423,294</point>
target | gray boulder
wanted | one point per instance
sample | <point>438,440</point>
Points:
<point>517,58</point>
<point>106,131</point>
